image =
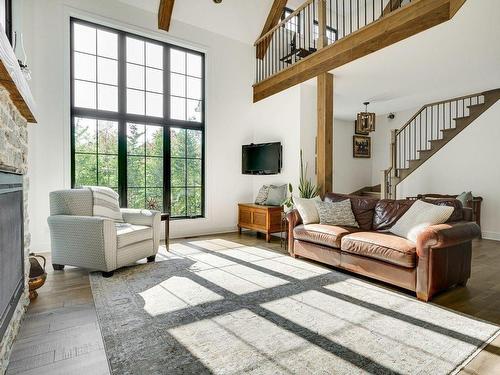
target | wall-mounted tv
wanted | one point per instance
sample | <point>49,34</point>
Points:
<point>263,158</point>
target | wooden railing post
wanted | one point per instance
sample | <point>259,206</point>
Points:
<point>322,37</point>
<point>394,166</point>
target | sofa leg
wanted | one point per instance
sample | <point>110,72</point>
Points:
<point>58,267</point>
<point>423,297</point>
<point>107,274</point>
<point>151,259</point>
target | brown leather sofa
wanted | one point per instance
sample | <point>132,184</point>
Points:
<point>439,259</point>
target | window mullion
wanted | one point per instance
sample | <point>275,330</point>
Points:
<point>122,124</point>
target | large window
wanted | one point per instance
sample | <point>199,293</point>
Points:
<point>137,111</point>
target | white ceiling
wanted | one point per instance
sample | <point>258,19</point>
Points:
<point>458,57</point>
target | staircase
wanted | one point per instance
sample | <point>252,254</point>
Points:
<point>429,130</point>
<point>369,191</point>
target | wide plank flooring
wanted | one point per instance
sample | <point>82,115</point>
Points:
<point>60,333</point>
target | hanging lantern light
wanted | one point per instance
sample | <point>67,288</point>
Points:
<point>365,121</point>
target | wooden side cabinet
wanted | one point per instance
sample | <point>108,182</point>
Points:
<point>263,219</point>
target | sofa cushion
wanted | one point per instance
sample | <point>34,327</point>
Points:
<point>388,211</point>
<point>336,213</point>
<point>327,235</point>
<point>362,207</point>
<point>382,246</point>
<point>307,209</point>
<point>458,212</point>
<point>128,234</point>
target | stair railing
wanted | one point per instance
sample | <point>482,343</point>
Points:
<point>418,133</point>
<point>296,36</point>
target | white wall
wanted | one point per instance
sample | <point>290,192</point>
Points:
<point>231,119</point>
<point>468,163</point>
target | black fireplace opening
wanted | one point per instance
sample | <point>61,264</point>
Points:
<point>11,246</point>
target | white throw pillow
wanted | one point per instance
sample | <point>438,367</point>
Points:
<point>307,209</point>
<point>418,217</point>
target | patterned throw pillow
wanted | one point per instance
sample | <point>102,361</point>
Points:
<point>307,209</point>
<point>465,198</point>
<point>262,195</point>
<point>276,196</point>
<point>336,213</point>
<point>105,203</point>
<point>418,217</point>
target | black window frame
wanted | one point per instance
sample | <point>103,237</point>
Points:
<point>123,118</point>
<point>296,18</point>
<point>328,28</point>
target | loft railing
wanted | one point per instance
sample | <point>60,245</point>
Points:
<point>415,137</point>
<point>298,35</point>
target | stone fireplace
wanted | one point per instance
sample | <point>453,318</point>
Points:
<point>13,165</point>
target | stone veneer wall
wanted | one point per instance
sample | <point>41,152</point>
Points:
<point>14,158</point>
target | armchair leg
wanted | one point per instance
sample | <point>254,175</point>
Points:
<point>151,259</point>
<point>107,274</point>
<point>58,267</point>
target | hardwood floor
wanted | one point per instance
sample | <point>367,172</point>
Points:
<point>60,333</point>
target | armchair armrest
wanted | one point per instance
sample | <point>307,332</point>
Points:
<point>84,241</point>
<point>140,216</point>
<point>446,235</point>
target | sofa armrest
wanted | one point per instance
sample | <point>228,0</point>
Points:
<point>446,235</point>
<point>468,214</point>
<point>140,216</point>
<point>294,219</point>
<point>83,241</point>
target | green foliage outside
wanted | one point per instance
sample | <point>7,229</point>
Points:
<point>96,163</point>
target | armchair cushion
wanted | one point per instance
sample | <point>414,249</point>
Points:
<point>128,234</point>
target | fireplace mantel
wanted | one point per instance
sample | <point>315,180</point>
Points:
<point>13,80</point>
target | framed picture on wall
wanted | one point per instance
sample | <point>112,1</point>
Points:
<point>361,146</point>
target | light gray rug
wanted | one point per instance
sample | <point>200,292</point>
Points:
<point>218,307</point>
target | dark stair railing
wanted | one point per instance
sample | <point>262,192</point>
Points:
<point>296,36</point>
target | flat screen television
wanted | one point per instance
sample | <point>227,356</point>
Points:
<point>263,158</point>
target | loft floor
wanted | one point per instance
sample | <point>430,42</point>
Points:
<point>60,333</point>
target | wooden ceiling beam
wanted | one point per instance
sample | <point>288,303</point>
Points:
<point>165,14</point>
<point>273,18</point>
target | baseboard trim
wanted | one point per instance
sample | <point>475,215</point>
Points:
<point>495,236</point>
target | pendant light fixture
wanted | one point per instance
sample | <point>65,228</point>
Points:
<point>365,120</point>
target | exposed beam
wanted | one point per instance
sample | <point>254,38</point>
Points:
<point>400,24</point>
<point>324,137</point>
<point>165,14</point>
<point>272,20</point>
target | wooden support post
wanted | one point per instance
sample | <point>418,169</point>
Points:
<point>325,132</point>
<point>322,37</point>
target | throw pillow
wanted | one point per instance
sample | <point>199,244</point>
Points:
<point>105,203</point>
<point>276,196</point>
<point>465,198</point>
<point>262,195</point>
<point>336,213</point>
<point>307,209</point>
<point>418,217</point>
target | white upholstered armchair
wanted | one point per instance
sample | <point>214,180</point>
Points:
<point>80,239</point>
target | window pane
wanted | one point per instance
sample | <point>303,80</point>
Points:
<point>154,172</point>
<point>108,171</point>
<point>177,85</point>
<point>194,202</point>
<point>136,198</point>
<point>178,142</point>
<point>194,144</point>
<point>178,171</point>
<point>194,67</point>
<point>177,108</point>
<point>84,66</point>
<point>136,171</point>
<point>108,98</point>
<point>135,139</point>
<point>85,135</point>
<point>154,199</point>
<point>107,71</point>
<point>135,102</point>
<point>193,172</point>
<point>107,44</point>
<point>178,202</point>
<point>135,51</point>
<point>177,61</point>
<point>194,110</point>
<point>154,141</point>
<point>154,104</point>
<point>154,80</point>
<point>85,170</point>
<point>85,94</point>
<point>193,88</point>
<point>154,55</point>
<point>84,38</point>
<point>135,76</point>
<point>108,137</point>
